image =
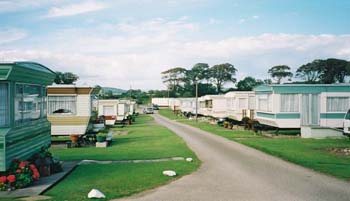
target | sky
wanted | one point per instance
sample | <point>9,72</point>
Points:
<point>127,43</point>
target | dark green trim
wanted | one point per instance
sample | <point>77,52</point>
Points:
<point>266,115</point>
<point>303,88</point>
<point>332,115</point>
<point>279,115</point>
<point>288,116</point>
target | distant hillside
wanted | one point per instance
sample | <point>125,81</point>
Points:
<point>115,91</point>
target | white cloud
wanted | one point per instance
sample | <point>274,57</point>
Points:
<point>75,9</point>
<point>255,17</point>
<point>135,53</point>
<point>11,35</point>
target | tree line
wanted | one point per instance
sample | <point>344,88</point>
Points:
<point>181,82</point>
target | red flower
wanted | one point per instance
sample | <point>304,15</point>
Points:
<point>3,179</point>
<point>36,175</point>
<point>32,166</point>
<point>11,178</point>
<point>23,164</point>
<point>18,171</point>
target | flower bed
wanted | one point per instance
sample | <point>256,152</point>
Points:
<point>20,175</point>
<point>23,173</point>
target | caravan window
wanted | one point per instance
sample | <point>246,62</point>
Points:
<point>337,104</point>
<point>28,103</point>
<point>243,103</point>
<point>62,104</point>
<point>264,102</point>
<point>289,103</point>
<point>4,105</point>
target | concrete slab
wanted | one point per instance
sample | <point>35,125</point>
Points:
<point>42,184</point>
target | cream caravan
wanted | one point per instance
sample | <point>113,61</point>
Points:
<point>70,108</point>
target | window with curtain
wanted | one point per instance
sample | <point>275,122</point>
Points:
<point>264,102</point>
<point>62,104</point>
<point>4,105</point>
<point>230,103</point>
<point>243,103</point>
<point>289,103</point>
<point>28,103</point>
<point>337,104</point>
<point>108,110</point>
<point>209,103</point>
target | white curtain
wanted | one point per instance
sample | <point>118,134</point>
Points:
<point>242,103</point>
<point>65,104</point>
<point>108,110</point>
<point>289,103</point>
<point>337,104</point>
<point>265,102</point>
<point>4,116</point>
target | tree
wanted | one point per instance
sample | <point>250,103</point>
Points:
<point>324,71</point>
<point>197,73</point>
<point>280,72</point>
<point>248,83</point>
<point>310,72</point>
<point>65,78</point>
<point>174,78</point>
<point>222,73</point>
<point>334,70</point>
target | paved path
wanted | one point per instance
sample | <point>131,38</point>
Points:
<point>231,171</point>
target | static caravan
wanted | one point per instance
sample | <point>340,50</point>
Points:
<point>173,103</point>
<point>132,107</point>
<point>108,109</point>
<point>240,104</point>
<point>70,109</point>
<point>213,105</point>
<point>24,128</point>
<point>122,110</point>
<point>297,105</point>
<point>161,102</point>
<point>188,105</point>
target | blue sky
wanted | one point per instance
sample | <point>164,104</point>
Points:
<point>128,42</point>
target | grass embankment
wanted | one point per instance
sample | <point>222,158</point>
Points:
<point>143,140</point>
<point>310,153</point>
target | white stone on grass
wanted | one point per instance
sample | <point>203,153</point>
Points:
<point>189,159</point>
<point>94,193</point>
<point>169,173</point>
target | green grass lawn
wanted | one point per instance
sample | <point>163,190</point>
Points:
<point>310,153</point>
<point>144,140</point>
<point>117,180</point>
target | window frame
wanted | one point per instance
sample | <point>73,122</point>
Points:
<point>63,114</point>
<point>299,103</point>
<point>268,100</point>
<point>8,112</point>
<point>331,111</point>
<point>23,123</point>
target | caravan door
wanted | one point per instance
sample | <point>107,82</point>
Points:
<point>310,109</point>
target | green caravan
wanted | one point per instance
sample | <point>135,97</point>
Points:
<point>24,128</point>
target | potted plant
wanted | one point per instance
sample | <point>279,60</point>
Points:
<point>226,124</point>
<point>74,138</point>
<point>101,137</point>
<point>97,122</point>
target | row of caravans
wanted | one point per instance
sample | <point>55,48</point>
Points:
<point>72,110</point>
<point>278,105</point>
